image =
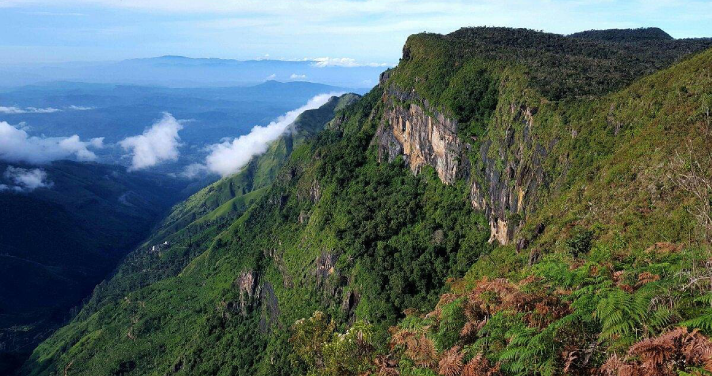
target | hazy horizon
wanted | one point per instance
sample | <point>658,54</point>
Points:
<point>341,32</point>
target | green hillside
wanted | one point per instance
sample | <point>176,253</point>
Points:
<point>194,224</point>
<point>504,202</point>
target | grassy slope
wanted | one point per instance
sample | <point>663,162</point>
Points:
<point>620,237</point>
<point>193,224</point>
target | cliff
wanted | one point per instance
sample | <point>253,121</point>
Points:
<point>504,175</point>
<point>430,98</point>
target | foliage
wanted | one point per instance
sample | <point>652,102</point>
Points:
<point>672,353</point>
<point>328,353</point>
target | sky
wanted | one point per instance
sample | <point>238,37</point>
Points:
<point>368,31</point>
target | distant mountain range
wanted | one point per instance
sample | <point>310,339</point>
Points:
<point>179,71</point>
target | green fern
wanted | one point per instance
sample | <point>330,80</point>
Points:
<point>530,351</point>
<point>621,315</point>
<point>702,322</point>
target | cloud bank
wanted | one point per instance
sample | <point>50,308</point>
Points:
<point>17,146</point>
<point>25,180</point>
<point>230,156</point>
<point>156,145</point>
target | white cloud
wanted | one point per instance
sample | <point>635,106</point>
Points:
<point>298,77</point>
<point>344,62</point>
<point>193,171</point>
<point>17,146</point>
<point>308,8</point>
<point>80,108</point>
<point>157,144</point>
<point>79,148</point>
<point>25,179</point>
<point>271,77</point>
<point>15,110</point>
<point>230,156</point>
<point>28,110</point>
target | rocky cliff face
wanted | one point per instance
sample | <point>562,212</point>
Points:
<point>507,174</point>
<point>254,295</point>
<point>510,174</point>
<point>423,136</point>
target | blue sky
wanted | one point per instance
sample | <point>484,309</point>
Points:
<point>369,31</point>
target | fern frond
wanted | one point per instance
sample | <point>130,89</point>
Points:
<point>703,322</point>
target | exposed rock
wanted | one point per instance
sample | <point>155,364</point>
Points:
<point>325,266</point>
<point>246,282</point>
<point>315,191</point>
<point>522,244</point>
<point>350,303</point>
<point>247,287</point>
<point>270,307</point>
<point>423,137</point>
<point>501,192</point>
<point>534,256</point>
<point>303,217</point>
<point>254,295</point>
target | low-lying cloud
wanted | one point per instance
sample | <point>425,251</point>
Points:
<point>14,110</point>
<point>156,145</point>
<point>80,108</point>
<point>194,170</point>
<point>344,62</point>
<point>16,145</point>
<point>230,156</point>
<point>27,110</point>
<point>24,180</point>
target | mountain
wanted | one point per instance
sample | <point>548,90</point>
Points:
<point>59,240</point>
<point>194,224</point>
<point>504,202</point>
<point>184,72</point>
